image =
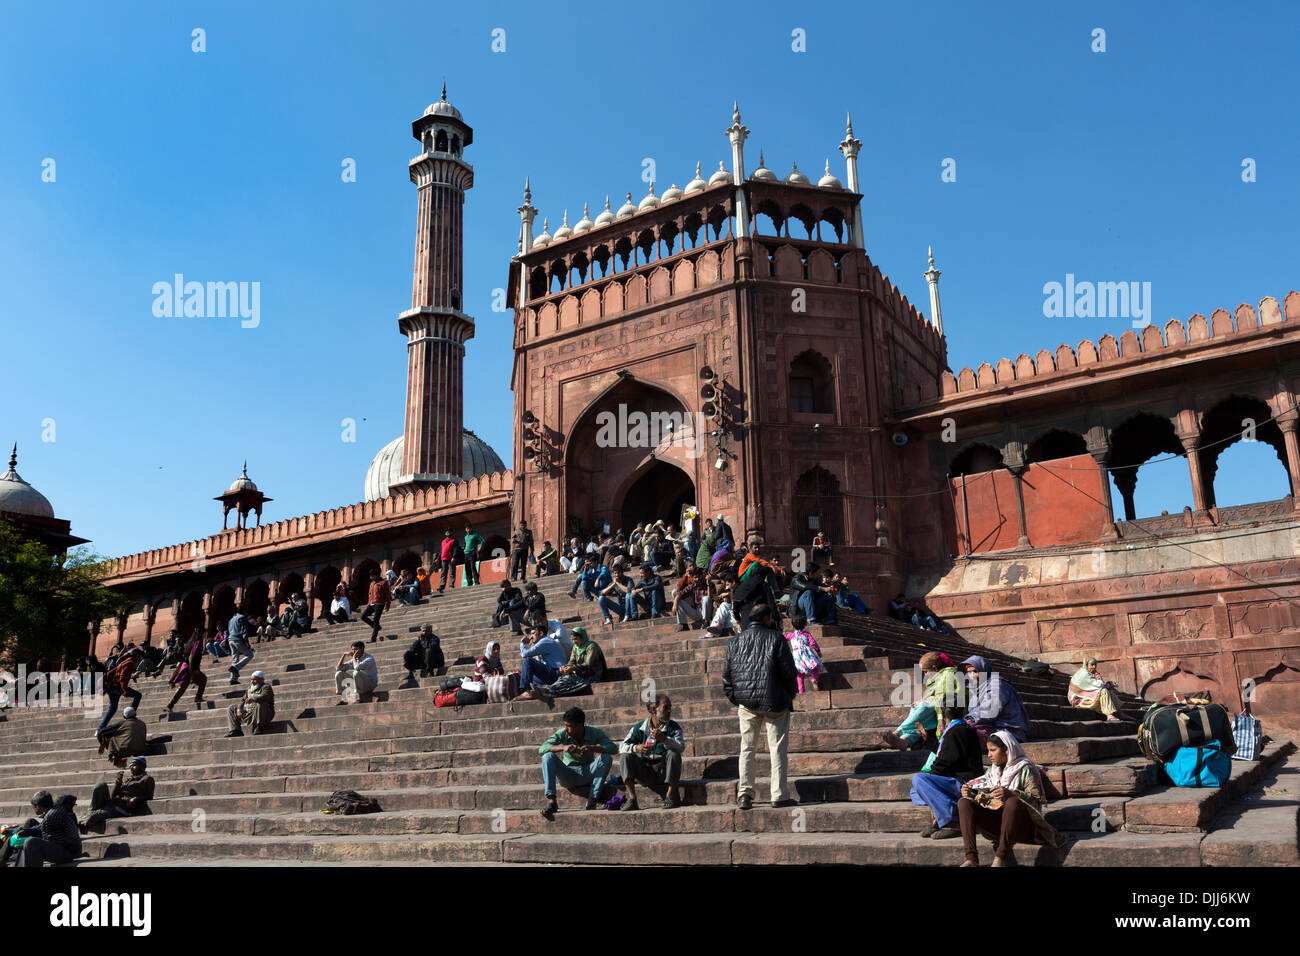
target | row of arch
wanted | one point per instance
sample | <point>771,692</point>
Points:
<point>1144,436</point>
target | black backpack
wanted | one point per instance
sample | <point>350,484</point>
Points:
<point>1036,668</point>
<point>348,802</point>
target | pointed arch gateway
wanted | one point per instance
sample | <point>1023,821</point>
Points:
<point>634,449</point>
<point>818,506</point>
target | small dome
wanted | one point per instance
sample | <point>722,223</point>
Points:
<point>763,173</point>
<point>795,176</point>
<point>721,176</point>
<point>544,237</point>
<point>606,217</point>
<point>18,497</point>
<point>476,459</point>
<point>242,483</point>
<point>828,181</point>
<point>627,209</point>
<point>696,184</point>
<point>671,193</point>
<point>650,201</point>
<point>585,223</point>
<point>564,232</point>
<point>443,108</point>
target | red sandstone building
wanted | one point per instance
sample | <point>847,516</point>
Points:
<point>788,385</point>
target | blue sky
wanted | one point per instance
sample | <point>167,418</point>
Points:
<point>225,166</point>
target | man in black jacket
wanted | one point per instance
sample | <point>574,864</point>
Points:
<point>55,838</point>
<point>534,605</point>
<point>761,680</point>
<point>521,549</point>
<point>958,761</point>
<point>510,607</point>
<point>425,654</point>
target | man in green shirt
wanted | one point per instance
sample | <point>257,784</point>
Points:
<point>472,545</point>
<point>576,754</point>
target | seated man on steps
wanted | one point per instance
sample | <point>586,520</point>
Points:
<point>938,785</point>
<point>357,675</point>
<point>647,592</point>
<point>593,579</point>
<point>534,603</point>
<point>425,655</point>
<point>651,753</point>
<point>124,738</point>
<point>55,838</point>
<point>257,709</point>
<point>575,754</point>
<point>541,657</point>
<point>129,797</point>
<point>510,608</point>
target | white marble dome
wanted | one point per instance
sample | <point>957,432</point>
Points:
<point>828,181</point>
<point>721,176</point>
<point>477,458</point>
<point>606,217</point>
<point>564,232</point>
<point>18,497</point>
<point>762,173</point>
<point>627,209</point>
<point>795,176</point>
<point>544,237</point>
<point>670,194</point>
<point>584,224</point>
<point>650,201</point>
<point>696,184</point>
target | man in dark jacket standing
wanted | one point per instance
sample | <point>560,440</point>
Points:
<point>521,549</point>
<point>760,679</point>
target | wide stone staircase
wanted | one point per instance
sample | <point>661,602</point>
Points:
<point>464,786</point>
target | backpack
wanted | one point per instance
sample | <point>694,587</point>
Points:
<point>119,675</point>
<point>348,802</point>
<point>1167,728</point>
<point>446,698</point>
<point>450,683</point>
<point>568,685</point>
<point>502,688</point>
<point>1203,766</point>
<point>1036,668</point>
<point>466,697</point>
<point>1249,735</point>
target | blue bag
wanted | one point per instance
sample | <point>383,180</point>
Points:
<point>1203,766</point>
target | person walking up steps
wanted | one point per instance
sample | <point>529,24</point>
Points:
<point>240,649</point>
<point>190,672</point>
<point>376,604</point>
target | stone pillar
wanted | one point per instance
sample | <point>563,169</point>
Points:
<point>1016,474</point>
<point>1099,448</point>
<point>309,592</point>
<point>1289,424</point>
<point>1199,498</point>
<point>150,612</point>
<point>208,611</point>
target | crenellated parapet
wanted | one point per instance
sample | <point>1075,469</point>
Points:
<point>1131,346</point>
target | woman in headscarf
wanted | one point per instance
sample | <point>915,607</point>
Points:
<point>489,665</point>
<point>922,721</point>
<point>994,703</point>
<point>1005,804</point>
<point>1089,691</point>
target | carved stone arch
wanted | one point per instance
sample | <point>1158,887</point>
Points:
<point>811,384</point>
<point>975,458</point>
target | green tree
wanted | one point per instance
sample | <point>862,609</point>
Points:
<point>48,601</point>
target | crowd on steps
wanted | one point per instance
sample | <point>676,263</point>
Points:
<point>703,579</point>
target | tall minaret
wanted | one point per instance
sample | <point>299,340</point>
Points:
<point>435,327</point>
<point>737,133</point>
<point>850,147</point>
<point>527,213</point>
<point>932,276</point>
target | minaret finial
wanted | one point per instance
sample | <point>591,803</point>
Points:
<point>848,118</point>
<point>607,209</point>
<point>245,467</point>
<point>13,456</point>
<point>735,111</point>
<point>528,190</point>
<point>444,89</point>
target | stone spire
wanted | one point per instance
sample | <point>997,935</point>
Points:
<point>850,148</point>
<point>932,277</point>
<point>737,133</point>
<point>527,213</point>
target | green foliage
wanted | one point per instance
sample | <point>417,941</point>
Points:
<point>46,602</point>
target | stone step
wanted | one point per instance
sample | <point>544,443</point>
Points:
<point>1261,827</point>
<point>1170,809</point>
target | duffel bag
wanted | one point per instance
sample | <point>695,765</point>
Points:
<point>465,697</point>
<point>1203,766</point>
<point>502,688</point>
<point>568,685</point>
<point>450,683</point>
<point>1166,728</point>
<point>446,698</point>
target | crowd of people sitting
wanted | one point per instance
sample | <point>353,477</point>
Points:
<point>705,581</point>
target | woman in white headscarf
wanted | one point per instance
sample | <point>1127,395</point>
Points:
<point>489,665</point>
<point>1089,691</point>
<point>1005,804</point>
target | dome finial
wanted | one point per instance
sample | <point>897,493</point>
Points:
<point>848,118</point>
<point>735,111</point>
<point>13,456</point>
<point>245,467</point>
<point>528,190</point>
<point>444,89</point>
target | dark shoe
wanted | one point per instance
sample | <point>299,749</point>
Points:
<point>548,811</point>
<point>787,802</point>
<point>670,803</point>
<point>592,803</point>
<point>683,627</point>
<point>945,833</point>
<point>234,681</point>
<point>893,741</point>
<point>257,731</point>
<point>235,733</point>
<point>929,832</point>
<point>746,802</point>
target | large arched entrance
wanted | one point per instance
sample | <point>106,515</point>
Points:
<point>660,492</point>
<point>632,457</point>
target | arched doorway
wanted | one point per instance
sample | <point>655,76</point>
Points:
<point>190,618</point>
<point>257,595</point>
<point>818,506</point>
<point>223,607</point>
<point>360,582</point>
<point>326,581</point>
<point>660,492</point>
<point>634,451</point>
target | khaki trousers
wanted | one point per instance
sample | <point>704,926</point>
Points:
<point>778,735</point>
